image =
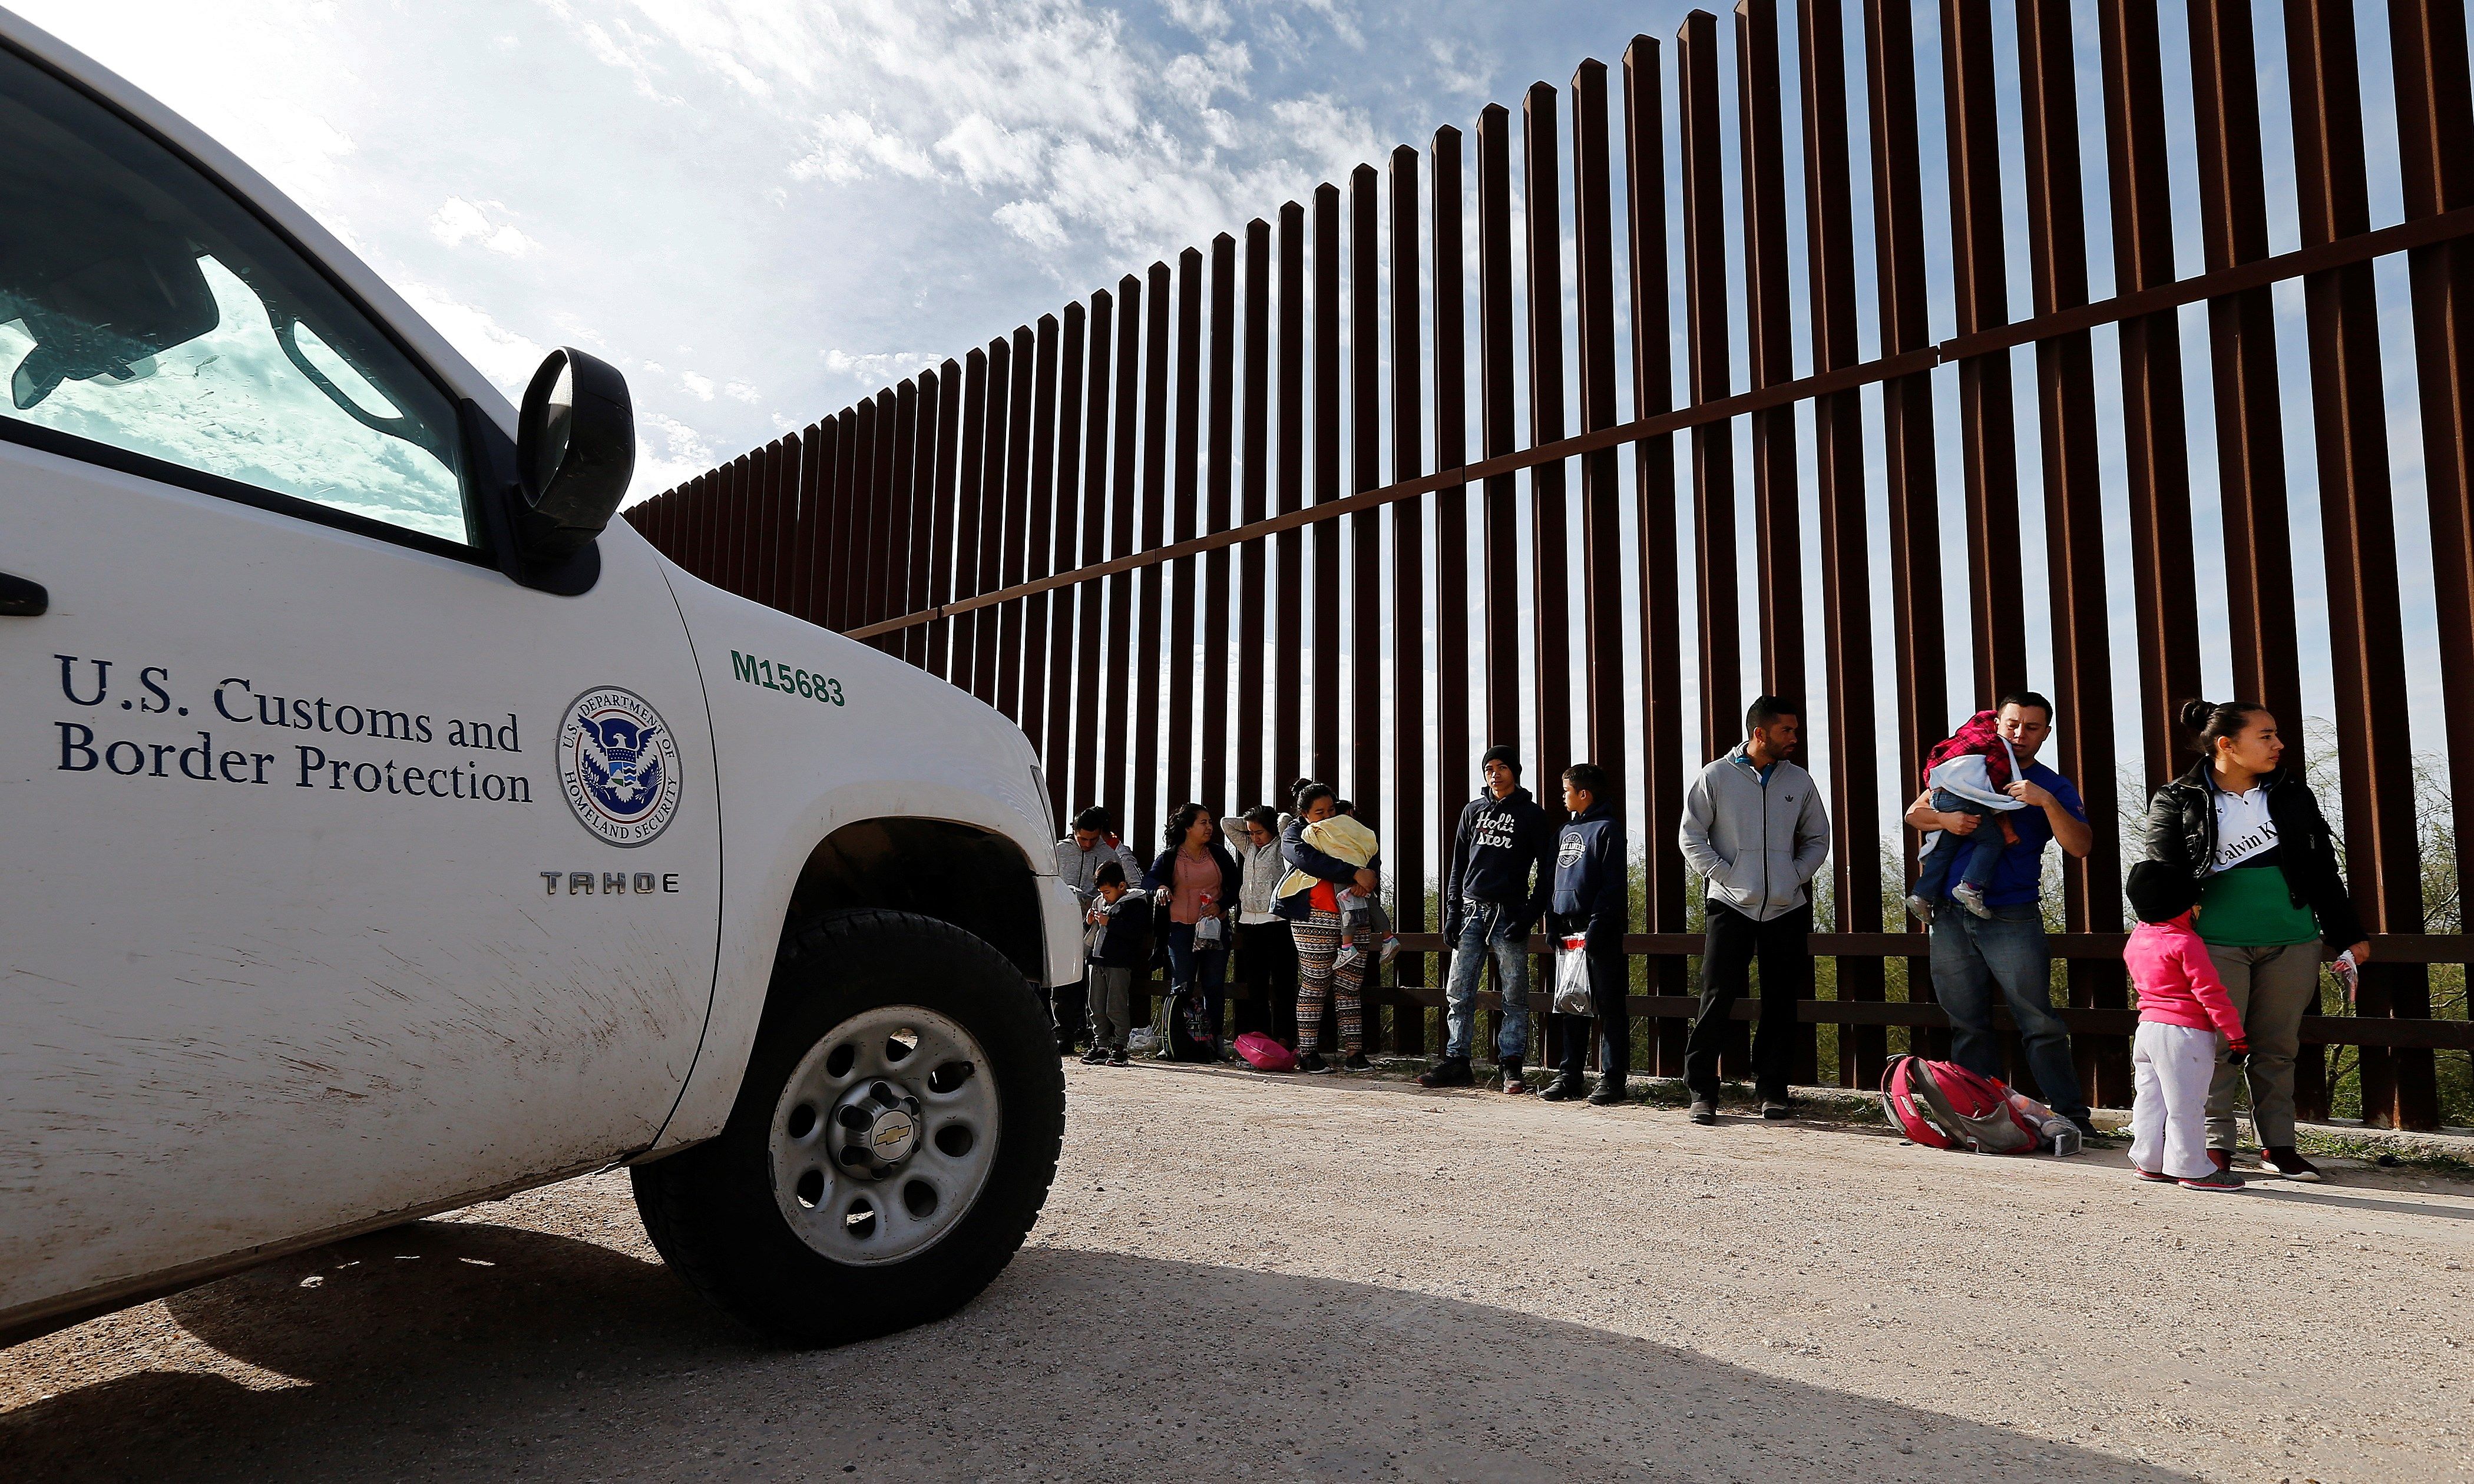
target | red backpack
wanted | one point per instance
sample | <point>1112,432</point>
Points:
<point>1942,1105</point>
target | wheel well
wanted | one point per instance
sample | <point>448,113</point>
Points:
<point>975,879</point>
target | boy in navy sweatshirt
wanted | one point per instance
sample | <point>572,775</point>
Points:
<point>1591,902</point>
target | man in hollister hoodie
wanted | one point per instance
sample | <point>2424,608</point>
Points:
<point>1490,904</point>
<point>1592,902</point>
<point>1755,831</point>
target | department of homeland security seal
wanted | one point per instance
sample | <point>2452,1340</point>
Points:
<point>619,766</point>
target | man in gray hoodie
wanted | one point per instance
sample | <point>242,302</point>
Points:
<point>1755,831</point>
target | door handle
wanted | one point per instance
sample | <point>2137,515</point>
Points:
<point>21,598</point>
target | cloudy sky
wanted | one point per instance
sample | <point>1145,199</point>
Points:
<point>762,209</point>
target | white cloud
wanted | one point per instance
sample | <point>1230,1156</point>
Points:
<point>1203,18</point>
<point>459,221</point>
<point>740,392</point>
<point>843,146</point>
<point>988,152</point>
<point>881,367</point>
<point>1052,102</point>
<point>681,455</point>
<point>1461,69</point>
<point>1194,80</point>
<point>1335,137</point>
<point>501,355</point>
<point>1035,222</point>
<point>699,386</point>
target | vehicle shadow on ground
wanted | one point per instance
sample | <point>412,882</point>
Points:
<point>461,1350</point>
<point>2346,1200</point>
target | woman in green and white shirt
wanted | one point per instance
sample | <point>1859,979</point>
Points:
<point>2249,830</point>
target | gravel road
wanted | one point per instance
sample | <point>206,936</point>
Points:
<point>1241,1278</point>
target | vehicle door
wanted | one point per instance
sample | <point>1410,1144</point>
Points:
<point>343,874</point>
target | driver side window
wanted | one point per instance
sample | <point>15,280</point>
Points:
<point>144,309</point>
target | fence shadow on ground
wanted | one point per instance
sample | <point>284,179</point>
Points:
<point>565,1359</point>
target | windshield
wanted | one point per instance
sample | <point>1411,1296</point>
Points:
<point>142,308</point>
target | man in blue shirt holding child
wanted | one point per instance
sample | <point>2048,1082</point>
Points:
<point>1972,955</point>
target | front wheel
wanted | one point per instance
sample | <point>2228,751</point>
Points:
<point>890,1147</point>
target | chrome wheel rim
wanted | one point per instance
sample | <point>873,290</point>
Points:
<point>884,1135</point>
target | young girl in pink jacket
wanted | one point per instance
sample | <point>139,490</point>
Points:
<point>2183,1008</point>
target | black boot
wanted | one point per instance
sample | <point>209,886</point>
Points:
<point>1610,1091</point>
<point>1564,1089</point>
<point>1451,1071</point>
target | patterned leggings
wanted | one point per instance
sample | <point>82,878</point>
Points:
<point>1318,945</point>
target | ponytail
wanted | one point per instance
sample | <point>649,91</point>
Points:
<point>2211,721</point>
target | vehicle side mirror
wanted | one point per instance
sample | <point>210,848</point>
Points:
<point>575,450</point>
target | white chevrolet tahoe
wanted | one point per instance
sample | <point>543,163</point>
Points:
<point>383,827</point>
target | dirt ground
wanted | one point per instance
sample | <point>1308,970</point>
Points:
<point>1241,1278</point>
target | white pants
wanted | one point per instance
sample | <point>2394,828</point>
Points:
<point>2170,1066</point>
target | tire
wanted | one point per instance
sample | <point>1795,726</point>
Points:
<point>765,1219</point>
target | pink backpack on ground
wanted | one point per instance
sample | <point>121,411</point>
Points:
<point>1942,1105</point>
<point>1264,1054</point>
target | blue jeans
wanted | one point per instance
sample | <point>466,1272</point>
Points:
<point>1974,956</point>
<point>1205,971</point>
<point>1933,872</point>
<point>1487,928</point>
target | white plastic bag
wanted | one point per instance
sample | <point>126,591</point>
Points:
<point>1573,978</point>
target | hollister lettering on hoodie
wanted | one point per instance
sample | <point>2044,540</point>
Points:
<point>1501,842</point>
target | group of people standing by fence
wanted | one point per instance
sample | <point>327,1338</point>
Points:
<point>1292,897</point>
<point>2239,887</point>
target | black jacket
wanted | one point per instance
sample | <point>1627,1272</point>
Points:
<point>1500,841</point>
<point>2181,832</point>
<point>1125,942</point>
<point>1592,882</point>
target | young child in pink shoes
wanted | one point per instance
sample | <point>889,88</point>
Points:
<point>2183,1008</point>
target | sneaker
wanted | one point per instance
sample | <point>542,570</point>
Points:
<point>1971,897</point>
<point>1775,1108</point>
<point>1703,1110</point>
<point>1357,1063</point>
<point>2288,1162</point>
<point>1117,1058</point>
<point>1564,1089</point>
<point>2214,1179</point>
<point>1610,1091</point>
<point>1451,1071</point>
<point>1095,1056</point>
<point>2158,1176</point>
<point>1920,912</point>
<point>1511,1082</point>
<point>1311,1062</point>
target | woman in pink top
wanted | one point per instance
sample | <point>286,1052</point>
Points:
<point>2183,1008</point>
<point>1195,879</point>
